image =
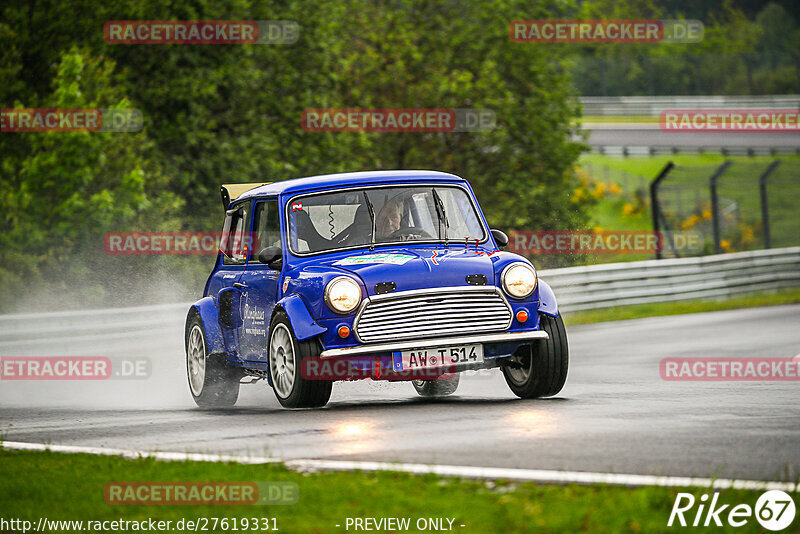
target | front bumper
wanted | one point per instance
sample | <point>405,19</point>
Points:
<point>498,337</point>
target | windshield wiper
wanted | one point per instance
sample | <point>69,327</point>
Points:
<point>441,214</point>
<point>371,216</point>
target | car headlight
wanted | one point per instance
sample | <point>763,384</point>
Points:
<point>519,280</point>
<point>342,294</point>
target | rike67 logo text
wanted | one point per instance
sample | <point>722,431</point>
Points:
<point>774,510</point>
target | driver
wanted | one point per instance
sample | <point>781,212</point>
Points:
<point>389,218</point>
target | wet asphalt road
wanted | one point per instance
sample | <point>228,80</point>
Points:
<point>615,414</point>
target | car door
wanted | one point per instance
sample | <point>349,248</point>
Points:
<point>234,249</point>
<point>259,283</point>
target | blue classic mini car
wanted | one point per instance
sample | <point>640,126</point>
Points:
<point>389,275</point>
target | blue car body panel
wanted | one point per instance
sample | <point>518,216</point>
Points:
<point>547,300</point>
<point>303,324</point>
<point>209,315</point>
<point>302,279</point>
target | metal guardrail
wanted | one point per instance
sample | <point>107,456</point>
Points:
<point>625,151</point>
<point>652,106</point>
<point>576,288</point>
<point>706,277</point>
<point>101,324</point>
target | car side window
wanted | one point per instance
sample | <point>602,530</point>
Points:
<point>235,243</point>
<point>266,227</point>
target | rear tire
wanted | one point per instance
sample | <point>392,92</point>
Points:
<point>441,387</point>
<point>543,365</point>
<point>286,355</point>
<point>212,382</point>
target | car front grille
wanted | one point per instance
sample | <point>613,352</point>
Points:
<point>426,313</point>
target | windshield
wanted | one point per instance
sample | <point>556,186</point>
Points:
<point>343,219</point>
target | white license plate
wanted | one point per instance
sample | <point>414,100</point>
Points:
<point>439,357</point>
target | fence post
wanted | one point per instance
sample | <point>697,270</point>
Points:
<point>712,182</point>
<point>762,188</point>
<point>655,208</point>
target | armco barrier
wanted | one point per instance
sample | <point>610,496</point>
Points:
<point>104,324</point>
<point>706,277</point>
<point>577,288</point>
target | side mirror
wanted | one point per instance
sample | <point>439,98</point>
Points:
<point>271,256</point>
<point>500,238</point>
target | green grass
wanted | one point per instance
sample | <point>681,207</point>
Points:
<point>638,311</point>
<point>70,487</point>
<point>608,215</point>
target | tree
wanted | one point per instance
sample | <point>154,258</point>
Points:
<point>231,113</point>
<point>64,190</point>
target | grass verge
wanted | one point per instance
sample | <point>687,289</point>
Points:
<point>70,487</point>
<point>638,311</point>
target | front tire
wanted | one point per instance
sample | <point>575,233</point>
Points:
<point>212,382</point>
<point>286,356</point>
<point>441,387</point>
<point>540,369</point>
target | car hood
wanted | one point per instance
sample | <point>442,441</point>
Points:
<point>418,268</point>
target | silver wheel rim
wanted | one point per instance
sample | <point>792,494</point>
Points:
<point>282,361</point>
<point>520,376</point>
<point>196,360</point>
<point>418,383</point>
